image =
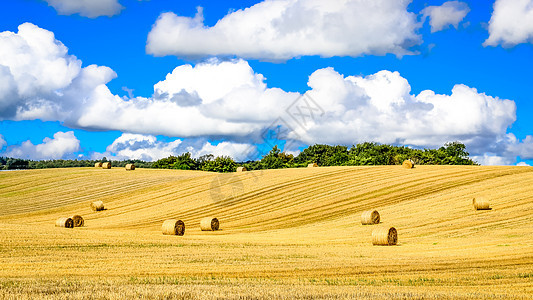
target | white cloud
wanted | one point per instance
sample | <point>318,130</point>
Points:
<point>492,160</point>
<point>522,164</point>
<point>511,23</point>
<point>61,146</point>
<point>281,30</point>
<point>150,148</point>
<point>381,108</point>
<point>40,80</point>
<point>523,149</point>
<point>449,13</point>
<point>228,101</point>
<point>2,142</point>
<point>86,8</point>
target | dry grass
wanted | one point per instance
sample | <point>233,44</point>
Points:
<point>287,233</point>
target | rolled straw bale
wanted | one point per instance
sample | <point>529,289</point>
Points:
<point>370,217</point>
<point>481,203</point>
<point>173,227</point>
<point>106,165</point>
<point>241,169</point>
<point>209,224</point>
<point>313,165</point>
<point>130,167</point>
<point>78,220</point>
<point>65,222</point>
<point>408,164</point>
<point>384,236</point>
<point>98,165</point>
<point>97,205</point>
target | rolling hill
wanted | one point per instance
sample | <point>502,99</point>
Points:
<point>283,232</point>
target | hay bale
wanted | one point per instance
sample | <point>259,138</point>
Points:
<point>481,203</point>
<point>173,227</point>
<point>106,165</point>
<point>97,205</point>
<point>241,169</point>
<point>313,165</point>
<point>130,167</point>
<point>78,220</point>
<point>209,224</point>
<point>98,165</point>
<point>384,236</point>
<point>65,222</point>
<point>408,164</point>
<point>370,217</point>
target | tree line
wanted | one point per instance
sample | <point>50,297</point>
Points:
<point>364,154</point>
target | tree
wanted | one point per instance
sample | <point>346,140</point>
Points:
<point>275,159</point>
<point>222,164</point>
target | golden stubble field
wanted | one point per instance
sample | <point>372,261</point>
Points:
<point>292,233</point>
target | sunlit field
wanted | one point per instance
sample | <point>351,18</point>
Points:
<point>291,233</point>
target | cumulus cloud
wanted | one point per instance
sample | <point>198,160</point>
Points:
<point>40,80</point>
<point>229,101</point>
<point>61,146</point>
<point>449,13</point>
<point>150,148</point>
<point>522,164</point>
<point>281,30</point>
<point>511,23</point>
<point>86,8</point>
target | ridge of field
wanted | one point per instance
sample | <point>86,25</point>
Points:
<point>279,227</point>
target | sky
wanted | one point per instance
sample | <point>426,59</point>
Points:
<point>145,79</point>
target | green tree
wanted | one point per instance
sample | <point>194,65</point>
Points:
<point>222,164</point>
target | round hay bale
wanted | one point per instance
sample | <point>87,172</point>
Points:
<point>106,165</point>
<point>130,167</point>
<point>65,222</point>
<point>313,165</point>
<point>97,205</point>
<point>209,224</point>
<point>370,217</point>
<point>78,220</point>
<point>98,165</point>
<point>384,236</point>
<point>408,164</point>
<point>481,203</point>
<point>241,169</point>
<point>173,227</point>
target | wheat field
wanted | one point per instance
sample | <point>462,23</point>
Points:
<point>286,234</point>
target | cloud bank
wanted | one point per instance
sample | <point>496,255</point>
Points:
<point>229,101</point>
<point>86,8</point>
<point>511,23</point>
<point>281,30</point>
<point>449,13</point>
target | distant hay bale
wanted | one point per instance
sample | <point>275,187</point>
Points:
<point>173,227</point>
<point>97,205</point>
<point>130,167</point>
<point>106,165</point>
<point>481,204</point>
<point>65,222</point>
<point>370,217</point>
<point>98,165</point>
<point>408,164</point>
<point>384,236</point>
<point>313,165</point>
<point>78,220</point>
<point>209,224</point>
<point>241,169</point>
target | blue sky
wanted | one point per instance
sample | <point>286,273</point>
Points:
<point>147,79</point>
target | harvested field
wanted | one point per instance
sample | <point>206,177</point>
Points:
<point>286,233</point>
